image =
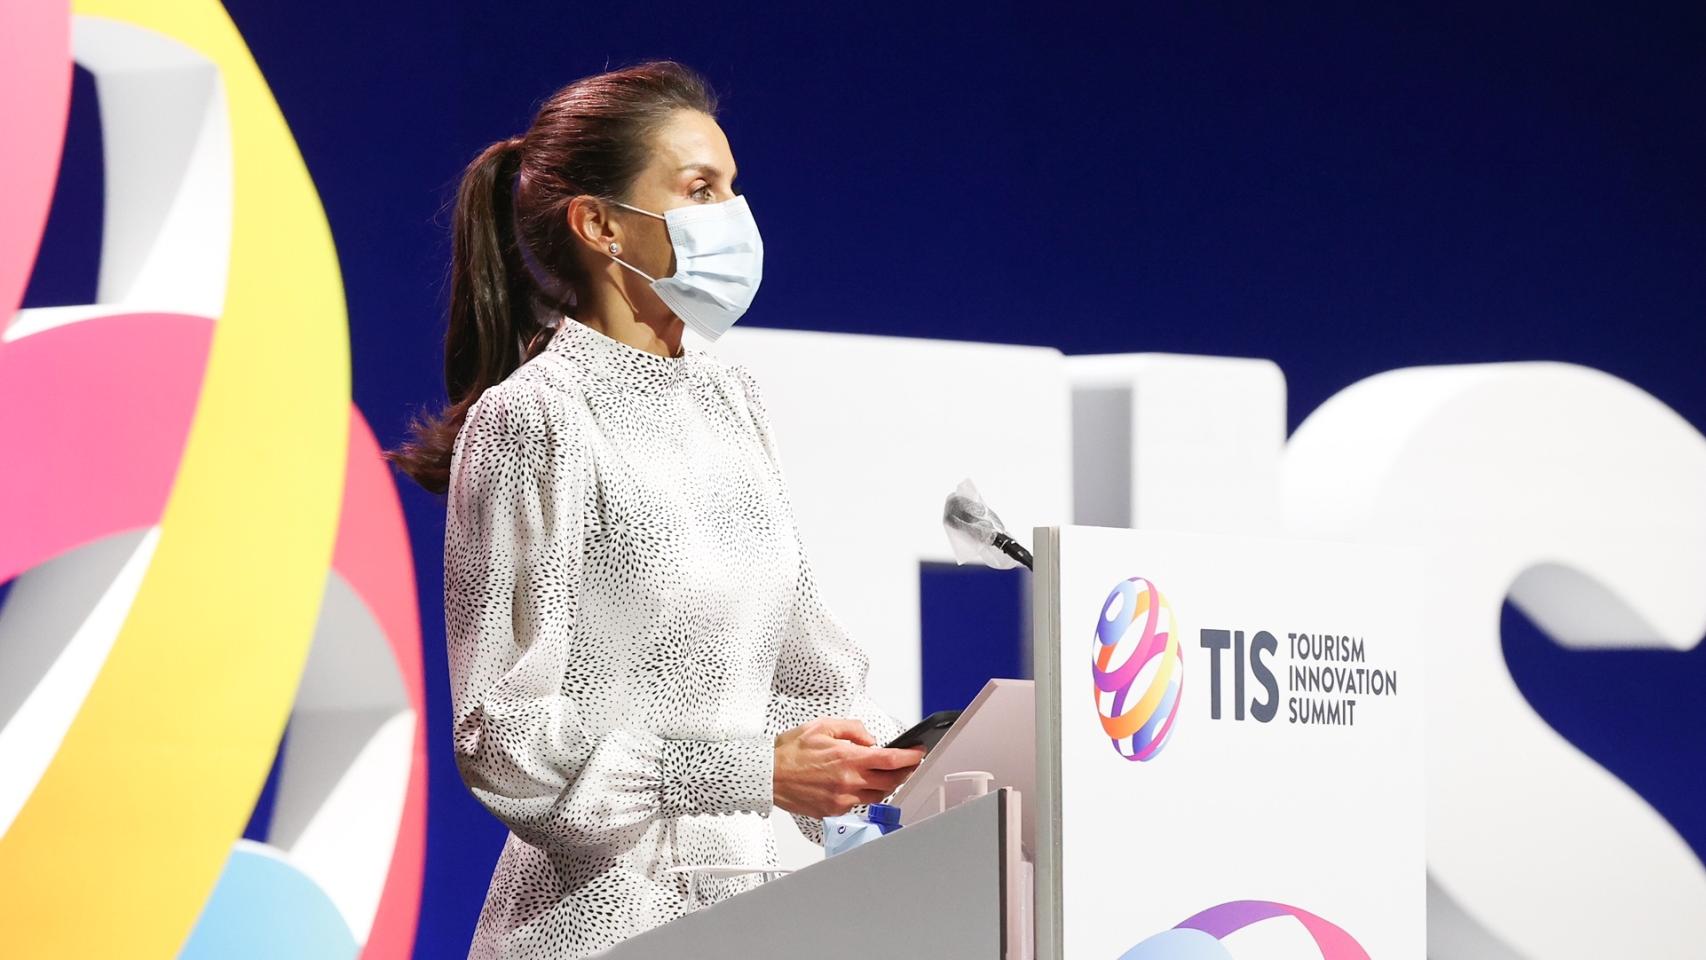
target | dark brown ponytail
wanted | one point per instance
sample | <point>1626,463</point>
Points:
<point>513,266</point>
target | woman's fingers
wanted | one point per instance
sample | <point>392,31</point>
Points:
<point>831,764</point>
<point>891,758</point>
<point>882,770</point>
<point>871,778</point>
<point>845,728</point>
<point>874,787</point>
<point>885,780</point>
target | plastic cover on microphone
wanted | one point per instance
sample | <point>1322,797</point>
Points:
<point>971,527</point>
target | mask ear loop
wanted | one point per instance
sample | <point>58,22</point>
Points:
<point>638,210</point>
<point>649,277</point>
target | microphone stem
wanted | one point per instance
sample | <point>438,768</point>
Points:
<point>1012,548</point>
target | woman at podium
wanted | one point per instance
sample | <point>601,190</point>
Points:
<point>641,665</point>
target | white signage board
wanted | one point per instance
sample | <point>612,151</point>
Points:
<point>1229,748</point>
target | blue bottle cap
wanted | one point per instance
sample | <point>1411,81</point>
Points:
<point>884,814</point>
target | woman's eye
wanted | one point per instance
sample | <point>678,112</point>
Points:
<point>706,190</point>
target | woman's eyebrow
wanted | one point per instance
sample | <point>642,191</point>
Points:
<point>706,167</point>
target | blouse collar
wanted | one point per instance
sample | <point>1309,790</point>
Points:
<point>618,364</point>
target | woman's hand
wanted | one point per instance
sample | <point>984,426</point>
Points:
<point>826,767</point>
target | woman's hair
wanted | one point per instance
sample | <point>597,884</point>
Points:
<point>513,266</point>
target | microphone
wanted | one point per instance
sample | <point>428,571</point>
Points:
<point>977,533</point>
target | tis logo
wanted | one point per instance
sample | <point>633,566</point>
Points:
<point>1262,644</point>
<point>1138,668</point>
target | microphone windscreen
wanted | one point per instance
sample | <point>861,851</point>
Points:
<point>971,527</point>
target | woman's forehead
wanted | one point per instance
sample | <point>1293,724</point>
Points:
<point>691,140</point>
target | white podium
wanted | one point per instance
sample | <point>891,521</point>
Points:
<point>1220,759</point>
<point>936,889</point>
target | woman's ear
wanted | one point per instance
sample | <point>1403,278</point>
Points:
<point>591,224</point>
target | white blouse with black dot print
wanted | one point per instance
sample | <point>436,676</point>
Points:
<point>631,619</point>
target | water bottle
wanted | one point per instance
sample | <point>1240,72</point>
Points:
<point>845,832</point>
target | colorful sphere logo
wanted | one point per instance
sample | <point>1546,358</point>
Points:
<point>1203,936</point>
<point>1138,668</point>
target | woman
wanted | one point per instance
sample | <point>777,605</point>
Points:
<point>641,665</point>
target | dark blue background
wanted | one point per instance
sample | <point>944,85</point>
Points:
<point>1344,190</point>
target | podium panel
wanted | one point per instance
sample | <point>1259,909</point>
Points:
<point>1229,749</point>
<point>942,889</point>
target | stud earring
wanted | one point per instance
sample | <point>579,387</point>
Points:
<point>615,248</point>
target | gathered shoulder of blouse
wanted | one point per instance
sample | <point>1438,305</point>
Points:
<point>631,619</point>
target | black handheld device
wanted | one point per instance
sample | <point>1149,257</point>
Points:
<point>928,731</point>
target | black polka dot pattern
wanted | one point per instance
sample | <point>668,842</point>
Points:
<point>631,619</point>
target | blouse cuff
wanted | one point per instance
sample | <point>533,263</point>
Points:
<point>718,776</point>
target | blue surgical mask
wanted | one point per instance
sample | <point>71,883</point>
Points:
<point>719,260</point>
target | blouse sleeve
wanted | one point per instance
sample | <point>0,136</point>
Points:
<point>820,669</point>
<point>513,555</point>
